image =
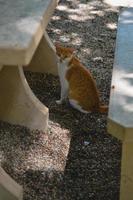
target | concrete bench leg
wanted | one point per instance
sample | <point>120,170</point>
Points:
<point>18,105</point>
<point>44,59</point>
<point>126,191</point>
<point>9,189</point>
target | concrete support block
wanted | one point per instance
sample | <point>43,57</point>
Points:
<point>44,59</point>
<point>18,105</point>
<point>9,189</point>
<point>126,190</point>
<point>120,119</point>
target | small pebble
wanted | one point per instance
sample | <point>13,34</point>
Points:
<point>86,143</point>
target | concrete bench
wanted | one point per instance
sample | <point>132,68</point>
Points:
<point>23,43</point>
<point>9,189</point>
<point>120,119</point>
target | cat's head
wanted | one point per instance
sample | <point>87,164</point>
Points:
<point>64,53</point>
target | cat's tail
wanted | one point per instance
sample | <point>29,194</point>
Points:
<point>103,109</point>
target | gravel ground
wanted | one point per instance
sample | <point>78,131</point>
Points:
<point>76,159</point>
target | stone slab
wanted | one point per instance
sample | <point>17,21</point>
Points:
<point>123,3</point>
<point>120,120</point>
<point>22,25</point>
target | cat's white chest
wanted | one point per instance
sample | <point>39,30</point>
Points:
<point>62,70</point>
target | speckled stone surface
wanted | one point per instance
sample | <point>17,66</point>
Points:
<point>21,26</point>
<point>121,100</point>
<point>124,3</point>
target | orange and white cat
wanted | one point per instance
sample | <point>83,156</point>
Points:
<point>77,84</point>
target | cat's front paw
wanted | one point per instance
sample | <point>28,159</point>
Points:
<point>59,102</point>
